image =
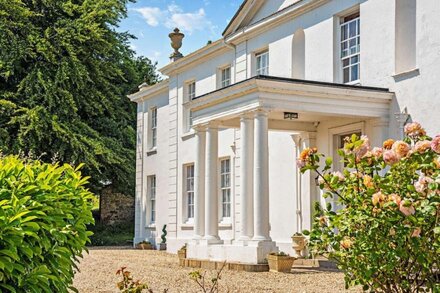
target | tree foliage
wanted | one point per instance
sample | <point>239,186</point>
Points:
<point>386,234</point>
<point>64,75</point>
<point>44,213</point>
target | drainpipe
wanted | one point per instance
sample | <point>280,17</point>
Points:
<point>233,47</point>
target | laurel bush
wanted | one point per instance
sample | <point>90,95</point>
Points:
<point>44,210</point>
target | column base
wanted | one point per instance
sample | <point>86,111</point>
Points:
<point>248,252</point>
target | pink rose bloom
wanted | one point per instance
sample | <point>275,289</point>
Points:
<point>390,157</point>
<point>300,163</point>
<point>414,129</point>
<point>401,148</point>
<point>416,232</point>
<point>422,146</point>
<point>422,184</point>
<point>395,198</point>
<point>407,209</point>
<point>377,152</point>
<point>435,144</point>
<point>363,149</point>
<point>378,198</point>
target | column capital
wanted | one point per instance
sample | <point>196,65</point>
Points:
<point>260,112</point>
<point>200,128</point>
<point>212,125</point>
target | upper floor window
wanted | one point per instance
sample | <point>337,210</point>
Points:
<point>262,60</point>
<point>191,90</point>
<point>350,48</point>
<point>225,77</point>
<point>152,197</point>
<point>189,190</point>
<point>225,186</point>
<point>153,127</point>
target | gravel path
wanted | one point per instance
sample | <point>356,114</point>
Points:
<point>161,270</point>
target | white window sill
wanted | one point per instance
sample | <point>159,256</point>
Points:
<point>354,82</point>
<point>152,151</point>
<point>225,225</point>
<point>408,73</point>
<point>187,226</point>
<point>151,226</point>
<point>189,134</point>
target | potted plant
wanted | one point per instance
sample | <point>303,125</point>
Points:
<point>163,244</point>
<point>144,245</point>
<point>298,242</point>
<point>182,252</point>
<point>280,262</point>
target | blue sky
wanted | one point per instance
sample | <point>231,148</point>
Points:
<point>152,20</point>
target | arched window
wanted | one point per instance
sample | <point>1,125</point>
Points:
<point>298,55</point>
<point>405,45</point>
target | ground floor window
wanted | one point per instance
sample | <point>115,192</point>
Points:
<point>152,197</point>
<point>225,187</point>
<point>189,190</point>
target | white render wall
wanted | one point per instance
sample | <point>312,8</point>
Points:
<point>418,91</point>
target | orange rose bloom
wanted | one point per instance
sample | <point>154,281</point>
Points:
<point>388,144</point>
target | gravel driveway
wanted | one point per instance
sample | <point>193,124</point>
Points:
<point>161,270</point>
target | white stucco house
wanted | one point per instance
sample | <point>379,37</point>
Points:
<point>217,139</point>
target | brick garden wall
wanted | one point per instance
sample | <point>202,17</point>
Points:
<point>116,208</point>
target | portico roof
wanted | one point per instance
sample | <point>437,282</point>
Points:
<point>286,94</point>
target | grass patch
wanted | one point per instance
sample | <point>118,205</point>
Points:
<point>115,235</point>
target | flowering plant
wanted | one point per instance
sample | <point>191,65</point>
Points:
<point>386,235</point>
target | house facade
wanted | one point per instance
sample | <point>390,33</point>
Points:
<point>218,139</point>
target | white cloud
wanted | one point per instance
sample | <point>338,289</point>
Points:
<point>153,15</point>
<point>189,22</point>
<point>173,16</point>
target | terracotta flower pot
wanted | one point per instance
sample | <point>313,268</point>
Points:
<point>145,246</point>
<point>280,263</point>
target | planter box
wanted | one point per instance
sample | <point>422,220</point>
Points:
<point>162,246</point>
<point>280,263</point>
<point>181,253</point>
<point>144,246</point>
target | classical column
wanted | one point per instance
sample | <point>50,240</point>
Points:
<point>211,184</point>
<point>199,184</point>
<point>246,177</point>
<point>309,189</point>
<point>298,148</point>
<point>261,177</point>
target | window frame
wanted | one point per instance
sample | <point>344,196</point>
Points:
<point>191,90</point>
<point>225,81</point>
<point>153,128</point>
<point>225,188</point>
<point>188,192</point>
<point>352,60</point>
<point>152,192</point>
<point>262,70</point>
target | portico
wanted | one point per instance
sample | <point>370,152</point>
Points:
<point>255,106</point>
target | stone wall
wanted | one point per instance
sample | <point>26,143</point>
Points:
<point>116,208</point>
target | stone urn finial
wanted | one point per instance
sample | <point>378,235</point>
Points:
<point>176,43</point>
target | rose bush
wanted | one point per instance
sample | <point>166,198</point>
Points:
<point>386,236</point>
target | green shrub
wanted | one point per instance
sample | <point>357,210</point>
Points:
<point>112,235</point>
<point>44,210</point>
<point>386,235</point>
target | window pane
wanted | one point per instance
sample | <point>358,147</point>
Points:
<point>347,74</point>
<point>353,28</point>
<point>354,72</point>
